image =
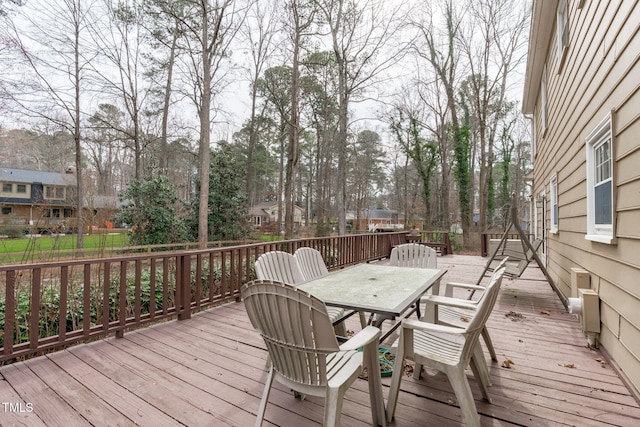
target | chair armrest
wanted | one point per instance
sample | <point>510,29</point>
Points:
<point>431,327</point>
<point>362,338</point>
<point>448,301</point>
<point>448,290</point>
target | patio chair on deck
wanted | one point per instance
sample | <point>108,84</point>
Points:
<point>417,256</point>
<point>449,350</point>
<point>437,311</point>
<point>283,267</point>
<point>413,255</point>
<point>312,265</point>
<point>304,351</point>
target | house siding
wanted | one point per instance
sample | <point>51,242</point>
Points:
<point>598,76</point>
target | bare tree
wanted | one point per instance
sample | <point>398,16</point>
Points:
<point>210,27</point>
<point>361,32</point>
<point>259,32</point>
<point>119,42</point>
<point>54,56</point>
<point>302,15</point>
<point>493,43</point>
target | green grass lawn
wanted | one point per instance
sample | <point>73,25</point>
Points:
<point>21,248</point>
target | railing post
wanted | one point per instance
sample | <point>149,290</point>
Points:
<point>184,287</point>
<point>484,246</point>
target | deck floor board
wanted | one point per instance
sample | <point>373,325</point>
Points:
<point>210,371</point>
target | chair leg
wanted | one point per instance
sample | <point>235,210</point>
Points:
<point>363,319</point>
<point>487,341</point>
<point>481,365</point>
<point>265,397</point>
<point>340,329</point>
<point>462,390</point>
<point>333,407</point>
<point>480,372</point>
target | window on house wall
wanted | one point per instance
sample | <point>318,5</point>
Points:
<point>21,188</point>
<point>7,188</point>
<point>543,99</point>
<point>6,210</point>
<point>562,30</point>
<point>53,192</point>
<point>68,213</point>
<point>600,209</point>
<point>553,190</point>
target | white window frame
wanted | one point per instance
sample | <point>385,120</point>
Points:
<point>562,30</point>
<point>51,192</point>
<point>553,193</point>
<point>601,135</point>
<point>543,99</point>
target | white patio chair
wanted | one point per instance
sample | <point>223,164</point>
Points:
<point>304,351</point>
<point>413,255</point>
<point>280,266</point>
<point>312,265</point>
<point>449,350</point>
<point>283,267</point>
<point>437,311</point>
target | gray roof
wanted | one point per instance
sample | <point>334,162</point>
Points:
<point>32,176</point>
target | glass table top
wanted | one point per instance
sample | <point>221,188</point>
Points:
<point>371,287</point>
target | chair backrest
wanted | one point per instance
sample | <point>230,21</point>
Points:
<point>311,263</point>
<point>295,327</point>
<point>280,266</point>
<point>413,255</point>
<point>483,311</point>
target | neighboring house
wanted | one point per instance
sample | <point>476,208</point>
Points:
<point>46,202</point>
<point>376,220</point>
<point>39,201</point>
<point>264,217</point>
<point>582,90</point>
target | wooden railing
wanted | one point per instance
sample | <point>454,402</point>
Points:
<point>52,304</point>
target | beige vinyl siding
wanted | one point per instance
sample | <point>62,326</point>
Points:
<point>598,76</point>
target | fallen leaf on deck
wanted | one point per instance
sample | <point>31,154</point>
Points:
<point>568,365</point>
<point>514,316</point>
<point>547,313</point>
<point>507,363</point>
<point>464,318</point>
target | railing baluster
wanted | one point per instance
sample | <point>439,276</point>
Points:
<point>106,294</point>
<point>122,306</point>
<point>86,301</point>
<point>10,313</point>
<point>152,288</point>
<point>62,309</point>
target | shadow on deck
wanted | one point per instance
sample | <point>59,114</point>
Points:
<point>210,370</point>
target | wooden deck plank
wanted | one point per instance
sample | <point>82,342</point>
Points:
<point>126,402</point>
<point>47,405</point>
<point>210,370</point>
<point>81,399</point>
<point>19,414</point>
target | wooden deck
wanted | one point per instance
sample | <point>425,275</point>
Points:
<point>209,371</point>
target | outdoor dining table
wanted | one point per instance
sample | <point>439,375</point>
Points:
<point>388,292</point>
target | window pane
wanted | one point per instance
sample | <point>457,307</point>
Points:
<point>6,210</point>
<point>603,161</point>
<point>7,188</point>
<point>21,188</point>
<point>603,207</point>
<point>59,193</point>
